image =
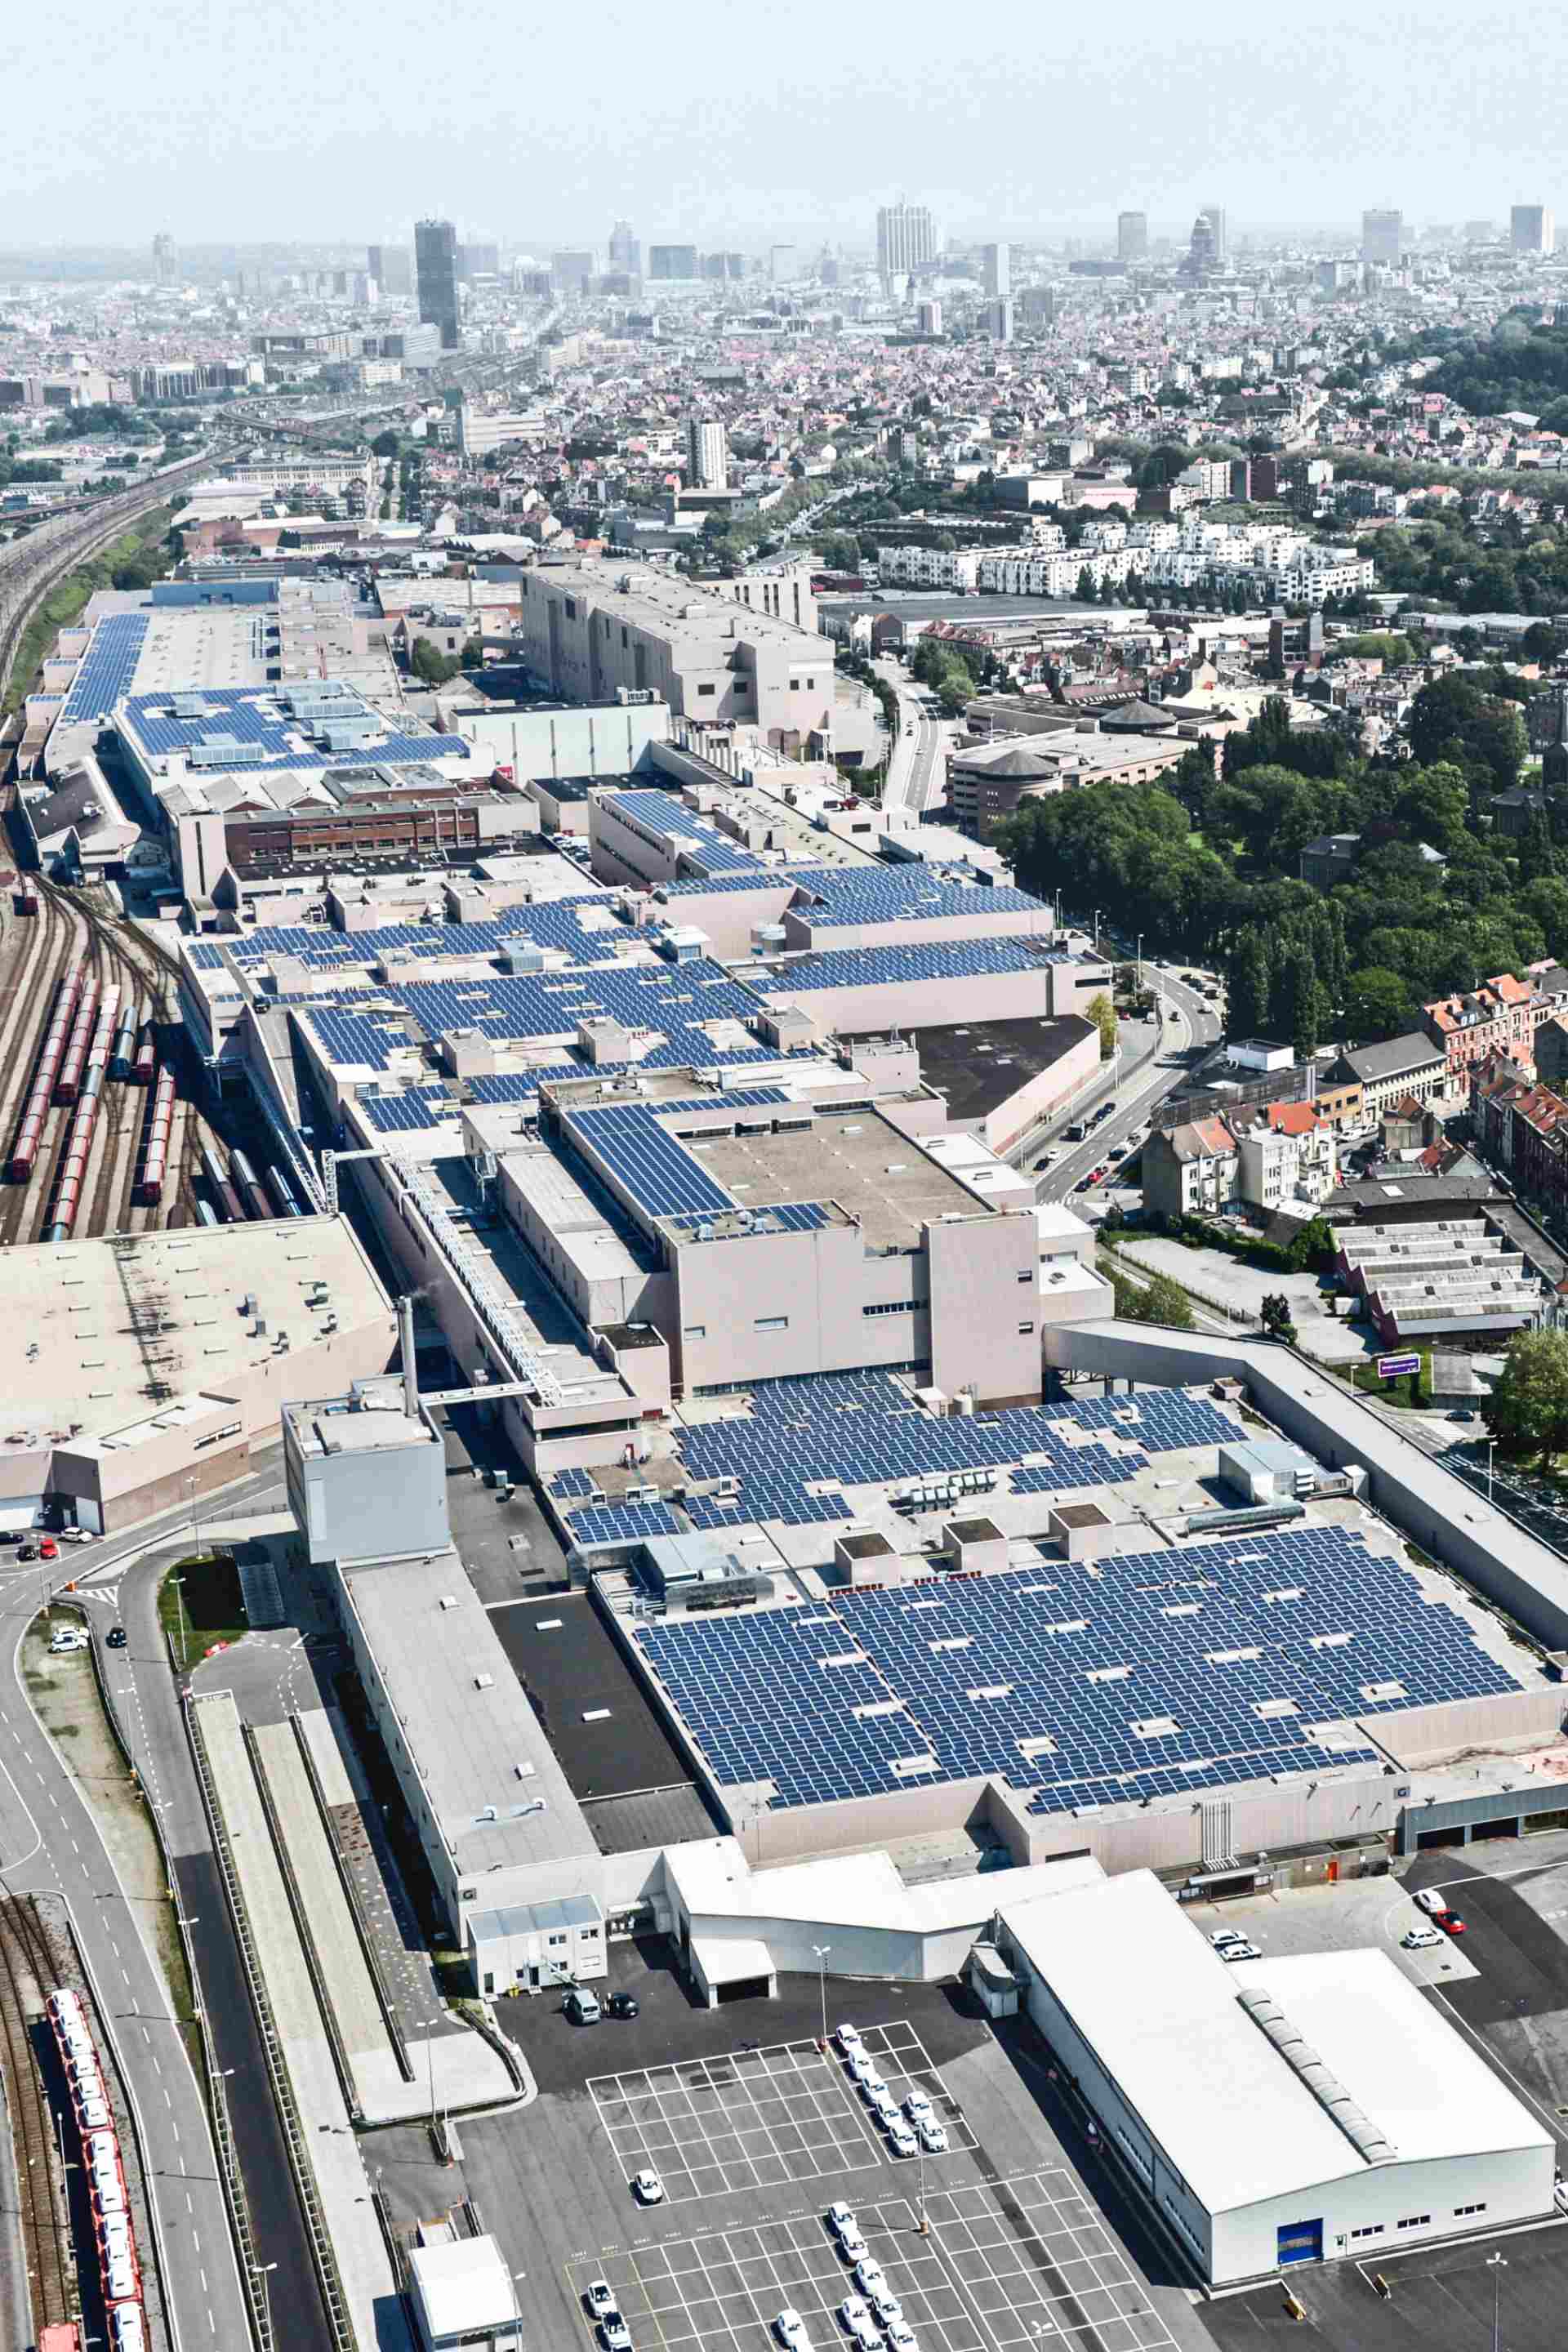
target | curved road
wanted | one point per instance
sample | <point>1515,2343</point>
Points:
<point>1154,1075</point>
<point>49,1843</point>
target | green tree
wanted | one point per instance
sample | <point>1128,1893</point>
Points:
<point>1248,985</point>
<point>1527,1411</point>
<point>1313,1246</point>
<point>1102,1012</point>
<point>1167,1302</point>
<point>1276,1318</point>
<point>1085,591</point>
<point>1378,1003</point>
<point>386,444</point>
<point>1539,642</point>
<point>430,664</point>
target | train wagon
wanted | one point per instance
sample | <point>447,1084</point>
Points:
<point>252,1199</point>
<point>155,1156</point>
<point>62,1020</point>
<point>224,1199</point>
<point>278,1182</point>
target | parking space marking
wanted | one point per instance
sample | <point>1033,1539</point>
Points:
<point>1007,2265</point>
<point>761,2117</point>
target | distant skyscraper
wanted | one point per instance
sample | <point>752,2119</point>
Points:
<point>670,261</point>
<point>392,267</point>
<point>928,317</point>
<point>1533,229</point>
<point>1214,216</point>
<point>906,239</point>
<point>784,265</point>
<point>435,265</point>
<point>707,454</point>
<point>165,262</point>
<point>996,261</point>
<point>1203,250</point>
<point>1132,236</point>
<point>999,320</point>
<point>1382,236</point>
<point>570,272</point>
<point>625,250</point>
<point>479,260</point>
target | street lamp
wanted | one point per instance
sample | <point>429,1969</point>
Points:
<point>1496,2264</point>
<point>822,1951</point>
<point>259,2271</point>
<point>1140,959</point>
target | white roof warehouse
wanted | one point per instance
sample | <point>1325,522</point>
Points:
<point>1278,2110</point>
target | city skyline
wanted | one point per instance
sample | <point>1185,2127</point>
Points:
<point>138,160</point>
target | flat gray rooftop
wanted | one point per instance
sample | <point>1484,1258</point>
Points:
<point>478,1744</point>
<point>861,1161</point>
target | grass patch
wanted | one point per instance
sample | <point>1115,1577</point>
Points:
<point>206,1607</point>
<point>68,598</point>
<point>1412,1390</point>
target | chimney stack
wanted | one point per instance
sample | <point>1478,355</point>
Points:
<point>410,1370</point>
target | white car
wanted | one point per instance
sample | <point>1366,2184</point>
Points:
<point>884,2110</point>
<point>861,2066</point>
<point>886,2307</point>
<point>1418,1939</point>
<point>849,2040</point>
<point>615,2334</point>
<point>600,2297</point>
<point>790,2329</point>
<point>1240,1950</point>
<point>901,2336</point>
<point>859,2324</point>
<point>847,2229</point>
<point>872,2086</point>
<point>647,2187</point>
<point>933,2136</point>
<point>919,2109</point>
<point>869,2275</point>
<point>1219,1936</point>
<point>901,2139</point>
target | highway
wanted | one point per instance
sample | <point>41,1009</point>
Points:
<point>49,1843</point>
<point>914,778</point>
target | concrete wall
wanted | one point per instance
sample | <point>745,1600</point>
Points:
<point>614,738</point>
<point>926,1003</point>
<point>984,1317</point>
<point>818,1282</point>
<point>1066,1076</point>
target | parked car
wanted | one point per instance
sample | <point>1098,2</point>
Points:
<point>1420,1939</point>
<point>919,2109</point>
<point>869,2275</point>
<point>872,2086</point>
<point>600,2297</point>
<point>859,2324</point>
<point>886,2303</point>
<point>790,2329</point>
<point>115,1638</point>
<point>933,2136</point>
<point>1451,1923</point>
<point>1240,1951</point>
<point>901,2139</point>
<point>849,2040</point>
<point>1431,1899</point>
<point>622,2004</point>
<point>901,2336</point>
<point>648,2188</point>
<point>841,2220</point>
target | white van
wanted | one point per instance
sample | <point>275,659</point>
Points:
<point>582,2007</point>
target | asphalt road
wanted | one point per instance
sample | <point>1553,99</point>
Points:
<point>1156,1062</point>
<point>48,1841</point>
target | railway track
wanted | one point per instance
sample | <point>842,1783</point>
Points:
<point>27,1971</point>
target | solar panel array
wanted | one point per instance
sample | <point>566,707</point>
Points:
<point>784,1216</point>
<point>782,878</point>
<point>701,843</point>
<point>350,1037</point>
<point>205,954</point>
<point>912,893</point>
<point>107,668</point>
<point>656,1170</point>
<point>419,1109</point>
<point>608,1523</point>
<point>567,1483</point>
<point>884,967</point>
<point>862,1428</point>
<point>253,715</point>
<point>1147,1674</point>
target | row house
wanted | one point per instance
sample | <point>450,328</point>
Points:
<point>1497,1017</point>
<point>1286,1154</point>
<point>1524,1126</point>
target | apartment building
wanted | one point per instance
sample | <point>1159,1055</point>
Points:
<point>592,632</point>
<point>1497,1017</point>
<point>1286,1154</point>
<point>1373,1076</point>
<point>334,470</point>
<point>930,567</point>
<point>1191,1170</point>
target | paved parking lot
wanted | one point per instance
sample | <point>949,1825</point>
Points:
<point>1007,2264</point>
<point>753,2119</point>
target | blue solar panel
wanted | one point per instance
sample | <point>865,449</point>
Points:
<point>1149,1674</point>
<point>107,668</point>
<point>420,1108</point>
<point>885,967</point>
<point>658,1172</point>
<point>253,716</point>
<point>612,1523</point>
<point>701,846</point>
<point>567,1483</point>
<point>205,954</point>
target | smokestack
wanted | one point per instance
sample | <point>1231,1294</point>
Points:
<point>410,1370</point>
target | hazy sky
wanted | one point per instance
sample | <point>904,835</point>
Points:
<point>701,120</point>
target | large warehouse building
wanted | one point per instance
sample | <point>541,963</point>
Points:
<point>1277,2111</point>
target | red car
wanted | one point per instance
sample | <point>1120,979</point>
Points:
<point>1450,1922</point>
